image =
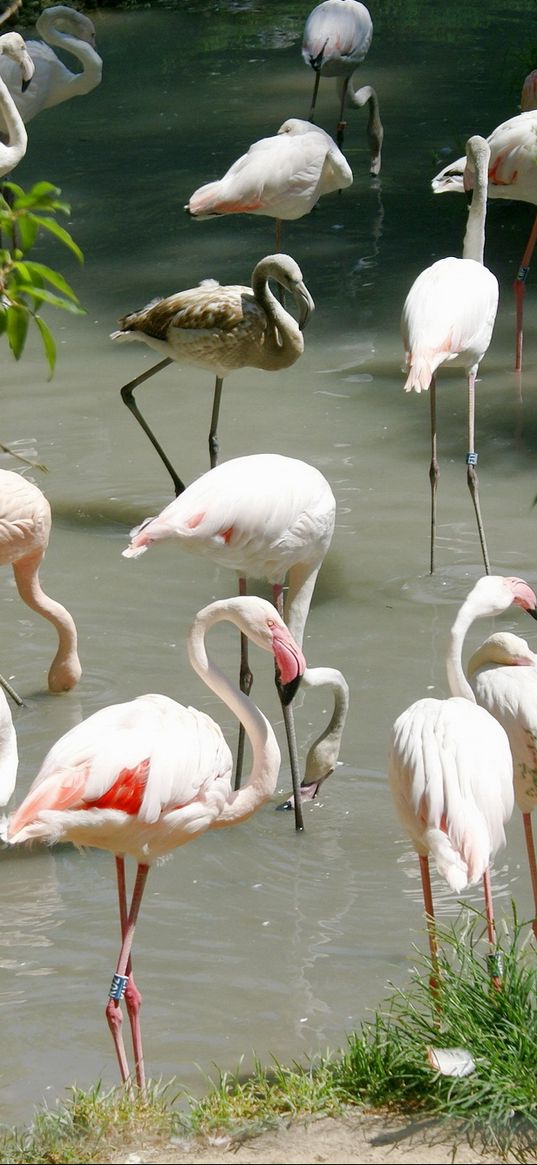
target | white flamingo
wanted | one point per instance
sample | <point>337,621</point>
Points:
<point>53,82</point>
<point>503,675</point>
<point>512,174</point>
<point>448,317</point>
<point>337,37</point>
<point>14,139</point>
<point>450,767</point>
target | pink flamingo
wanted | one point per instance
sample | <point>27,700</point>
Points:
<point>337,36</point>
<point>448,317</point>
<point>512,174</point>
<point>25,525</point>
<point>450,767</point>
<point>503,675</point>
<point>144,777</point>
<point>267,517</point>
<point>14,139</point>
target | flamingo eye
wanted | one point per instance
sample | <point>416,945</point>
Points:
<point>270,622</point>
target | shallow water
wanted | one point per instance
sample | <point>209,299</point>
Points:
<point>256,941</point>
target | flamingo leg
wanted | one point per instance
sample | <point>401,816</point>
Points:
<point>471,462</point>
<point>289,721</point>
<point>434,471</point>
<point>519,286</point>
<point>133,998</point>
<point>127,396</point>
<point>314,94</point>
<point>494,958</point>
<point>342,124</point>
<point>429,915</point>
<point>245,681</point>
<point>120,981</point>
<point>213,438</point>
<point>528,834</point>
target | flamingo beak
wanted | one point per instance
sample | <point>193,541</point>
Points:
<point>290,664</point>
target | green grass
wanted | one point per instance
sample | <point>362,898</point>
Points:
<point>384,1067</point>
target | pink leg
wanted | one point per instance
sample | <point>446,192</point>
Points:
<point>133,997</point>
<point>429,914</point>
<point>520,287</point>
<point>494,959</point>
<point>528,833</point>
<point>289,721</point>
<point>120,981</point>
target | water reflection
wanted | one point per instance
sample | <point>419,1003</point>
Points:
<point>256,942</point>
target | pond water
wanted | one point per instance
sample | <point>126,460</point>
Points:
<point>257,941</point>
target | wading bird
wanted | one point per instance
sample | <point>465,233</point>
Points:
<point>221,328</point>
<point>450,767</point>
<point>448,317</point>
<point>267,517</point>
<point>14,140</point>
<point>503,675</point>
<point>323,754</point>
<point>144,777</point>
<point>53,82</point>
<point>283,177</point>
<point>9,758</point>
<point>512,174</point>
<point>337,36</point>
<point>25,525</point>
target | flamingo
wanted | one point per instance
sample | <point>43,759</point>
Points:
<point>267,517</point>
<point>323,754</point>
<point>337,37</point>
<point>9,758</point>
<point>283,177</point>
<point>25,525</point>
<point>450,768</point>
<point>53,82</point>
<point>449,316</point>
<point>221,328</point>
<point>511,174</point>
<point>13,50</point>
<point>143,777</point>
<point>503,675</point>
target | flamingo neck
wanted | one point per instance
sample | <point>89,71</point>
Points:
<point>284,337</point>
<point>266,758</point>
<point>65,669</point>
<point>458,683</point>
<point>50,29</point>
<point>474,238</point>
<point>301,584</point>
<point>324,752</point>
<point>12,151</point>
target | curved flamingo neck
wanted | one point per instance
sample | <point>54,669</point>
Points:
<point>284,336</point>
<point>458,683</point>
<point>266,756</point>
<point>12,151</point>
<point>301,579</point>
<point>324,752</point>
<point>49,28</point>
<point>65,669</point>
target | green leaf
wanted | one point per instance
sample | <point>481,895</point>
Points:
<point>18,319</point>
<point>27,232</point>
<point>48,343</point>
<point>3,320</point>
<point>38,272</point>
<point>43,296</point>
<point>48,224</point>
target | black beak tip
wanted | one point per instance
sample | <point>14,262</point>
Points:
<point>25,84</point>
<point>286,692</point>
<point>533,613</point>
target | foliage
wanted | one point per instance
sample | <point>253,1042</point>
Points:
<point>26,285</point>
<point>384,1066</point>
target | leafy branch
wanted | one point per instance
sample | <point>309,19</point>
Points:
<point>24,284</point>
